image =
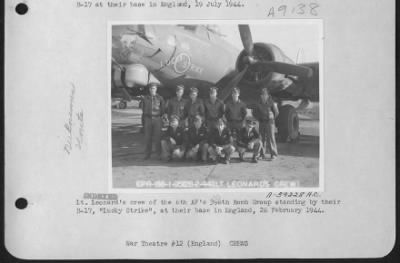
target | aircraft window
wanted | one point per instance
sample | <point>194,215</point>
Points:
<point>141,28</point>
<point>191,28</point>
<point>214,28</point>
<point>202,31</point>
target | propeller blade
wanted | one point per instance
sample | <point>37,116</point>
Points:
<point>287,69</point>
<point>247,41</point>
<point>231,84</point>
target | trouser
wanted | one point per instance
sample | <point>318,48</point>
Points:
<point>211,124</point>
<point>182,123</point>
<point>190,121</point>
<point>171,150</point>
<point>152,134</point>
<point>267,132</point>
<point>253,145</point>
<point>197,152</point>
<point>237,125</point>
<point>221,151</point>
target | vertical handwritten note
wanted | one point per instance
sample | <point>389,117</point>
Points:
<point>74,125</point>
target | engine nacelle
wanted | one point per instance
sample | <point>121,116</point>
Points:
<point>257,74</point>
<point>133,75</point>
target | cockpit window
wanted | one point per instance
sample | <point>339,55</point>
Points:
<point>204,31</point>
<point>214,28</point>
<point>191,28</point>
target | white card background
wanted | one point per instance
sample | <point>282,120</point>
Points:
<point>56,45</point>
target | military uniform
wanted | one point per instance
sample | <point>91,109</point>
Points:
<point>197,143</point>
<point>153,108</point>
<point>235,112</point>
<point>220,144</point>
<point>266,113</point>
<point>248,139</point>
<point>177,107</point>
<point>213,112</point>
<point>192,109</point>
<point>173,149</point>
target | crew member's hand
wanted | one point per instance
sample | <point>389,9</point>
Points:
<point>172,140</point>
<point>218,149</point>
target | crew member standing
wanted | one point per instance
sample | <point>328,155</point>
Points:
<point>153,108</point>
<point>214,109</point>
<point>193,107</point>
<point>235,111</point>
<point>265,112</point>
<point>176,106</point>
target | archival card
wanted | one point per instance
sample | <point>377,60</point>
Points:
<point>176,129</point>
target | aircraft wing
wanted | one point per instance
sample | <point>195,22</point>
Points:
<point>283,87</point>
<point>302,88</point>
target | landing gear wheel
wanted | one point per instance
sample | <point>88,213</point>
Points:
<point>288,124</point>
<point>122,105</point>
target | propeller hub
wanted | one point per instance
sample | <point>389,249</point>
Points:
<point>256,74</point>
<point>250,60</point>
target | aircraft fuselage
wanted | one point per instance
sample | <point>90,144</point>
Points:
<point>176,51</point>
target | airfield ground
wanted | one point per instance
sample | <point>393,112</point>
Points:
<point>297,164</point>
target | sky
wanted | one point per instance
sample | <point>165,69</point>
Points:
<point>289,35</point>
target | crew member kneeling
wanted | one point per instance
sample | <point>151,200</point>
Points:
<point>197,141</point>
<point>220,141</point>
<point>172,142</point>
<point>249,139</point>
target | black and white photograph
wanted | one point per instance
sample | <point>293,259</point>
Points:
<point>199,129</point>
<point>224,105</point>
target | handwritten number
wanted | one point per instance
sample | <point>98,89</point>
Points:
<point>301,9</point>
<point>282,7</point>
<point>313,7</point>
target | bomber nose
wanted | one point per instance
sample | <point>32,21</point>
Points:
<point>140,32</point>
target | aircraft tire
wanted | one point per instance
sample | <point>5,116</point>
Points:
<point>288,124</point>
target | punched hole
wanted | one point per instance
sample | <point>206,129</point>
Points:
<point>21,9</point>
<point>21,203</point>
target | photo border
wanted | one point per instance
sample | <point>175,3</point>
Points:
<point>321,159</point>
